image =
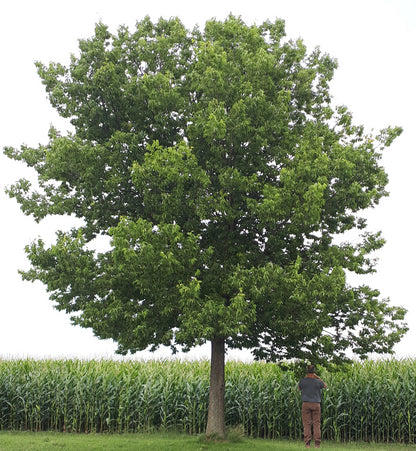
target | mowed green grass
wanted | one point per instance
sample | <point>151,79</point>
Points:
<point>45,441</point>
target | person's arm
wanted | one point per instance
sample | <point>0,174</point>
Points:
<point>317,377</point>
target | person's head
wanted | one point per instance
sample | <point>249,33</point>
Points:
<point>311,369</point>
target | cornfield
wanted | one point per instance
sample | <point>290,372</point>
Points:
<point>372,401</point>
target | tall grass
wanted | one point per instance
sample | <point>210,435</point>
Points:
<point>373,401</point>
<point>105,395</point>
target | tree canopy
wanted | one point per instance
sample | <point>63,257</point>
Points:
<point>226,178</point>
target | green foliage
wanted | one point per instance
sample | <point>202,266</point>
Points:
<point>224,176</point>
<point>85,396</point>
<point>371,401</point>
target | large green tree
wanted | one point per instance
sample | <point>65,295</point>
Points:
<point>225,177</point>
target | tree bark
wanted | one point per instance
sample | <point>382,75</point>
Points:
<point>216,407</point>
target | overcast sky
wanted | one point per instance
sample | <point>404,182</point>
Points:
<point>374,42</point>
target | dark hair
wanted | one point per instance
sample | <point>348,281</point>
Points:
<point>311,369</point>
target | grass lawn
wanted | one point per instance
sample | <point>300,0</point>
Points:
<point>44,441</point>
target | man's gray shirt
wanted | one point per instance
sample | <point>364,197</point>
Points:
<point>311,389</point>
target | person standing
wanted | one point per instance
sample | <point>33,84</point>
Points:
<point>310,387</point>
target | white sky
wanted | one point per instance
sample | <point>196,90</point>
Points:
<point>374,42</point>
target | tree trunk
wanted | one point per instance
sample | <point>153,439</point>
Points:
<point>216,407</point>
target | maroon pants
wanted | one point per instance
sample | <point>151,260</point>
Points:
<point>311,419</point>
